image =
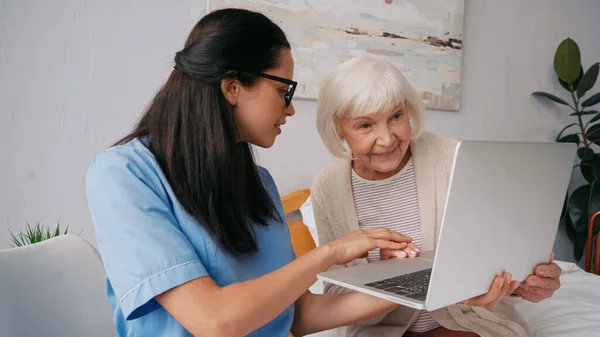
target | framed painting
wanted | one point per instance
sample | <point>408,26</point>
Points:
<point>423,38</point>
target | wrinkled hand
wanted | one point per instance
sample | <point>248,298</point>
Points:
<point>501,286</point>
<point>542,284</point>
<point>411,250</point>
<point>359,243</point>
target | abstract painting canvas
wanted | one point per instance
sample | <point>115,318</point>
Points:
<point>423,38</point>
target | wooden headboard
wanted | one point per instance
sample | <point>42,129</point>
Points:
<point>301,238</point>
<point>589,259</point>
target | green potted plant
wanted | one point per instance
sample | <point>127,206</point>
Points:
<point>580,206</point>
<point>34,234</point>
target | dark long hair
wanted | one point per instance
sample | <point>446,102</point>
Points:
<point>192,131</point>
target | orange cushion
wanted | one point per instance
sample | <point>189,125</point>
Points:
<point>301,238</point>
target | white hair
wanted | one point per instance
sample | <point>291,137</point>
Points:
<point>359,87</point>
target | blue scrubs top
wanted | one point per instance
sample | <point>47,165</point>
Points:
<point>149,244</point>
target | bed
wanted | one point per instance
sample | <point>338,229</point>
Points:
<point>573,311</point>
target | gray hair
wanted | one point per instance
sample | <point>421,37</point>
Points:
<point>359,87</point>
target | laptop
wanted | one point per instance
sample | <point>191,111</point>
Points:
<point>501,214</point>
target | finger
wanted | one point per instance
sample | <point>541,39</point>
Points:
<point>552,257</point>
<point>400,253</point>
<point>391,253</point>
<point>386,244</point>
<point>524,287</point>
<point>533,290</point>
<point>372,231</point>
<point>507,284</point>
<point>524,294</point>
<point>414,248</point>
<point>513,286</point>
<point>493,293</point>
<point>387,234</point>
<point>395,236</point>
<point>540,282</point>
<point>505,289</point>
<point>410,252</point>
<point>496,291</point>
<point>548,270</point>
<point>528,296</point>
<point>541,292</point>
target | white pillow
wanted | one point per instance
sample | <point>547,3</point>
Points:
<point>573,310</point>
<point>308,219</point>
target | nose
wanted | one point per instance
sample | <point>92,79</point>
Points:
<point>385,137</point>
<point>290,111</point>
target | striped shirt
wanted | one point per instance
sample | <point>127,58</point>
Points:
<point>392,203</point>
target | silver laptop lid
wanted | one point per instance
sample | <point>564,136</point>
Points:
<point>498,189</point>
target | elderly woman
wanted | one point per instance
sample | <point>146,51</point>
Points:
<point>391,173</point>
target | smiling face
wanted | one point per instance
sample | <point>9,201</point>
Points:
<point>369,112</point>
<point>260,110</point>
<point>379,141</point>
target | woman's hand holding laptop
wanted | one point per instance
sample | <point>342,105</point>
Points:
<point>542,284</point>
<point>502,286</point>
<point>537,287</point>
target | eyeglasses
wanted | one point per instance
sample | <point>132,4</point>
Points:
<point>292,86</point>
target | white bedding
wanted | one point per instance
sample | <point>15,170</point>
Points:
<point>573,311</point>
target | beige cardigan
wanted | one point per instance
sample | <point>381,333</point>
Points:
<point>335,216</point>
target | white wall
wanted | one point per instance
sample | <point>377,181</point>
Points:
<point>74,76</point>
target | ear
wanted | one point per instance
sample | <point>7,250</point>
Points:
<point>231,89</point>
<point>339,133</point>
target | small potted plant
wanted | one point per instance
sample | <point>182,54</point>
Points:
<point>35,234</point>
<point>584,202</point>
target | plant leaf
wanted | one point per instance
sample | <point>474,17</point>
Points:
<point>575,83</point>
<point>594,119</point>
<point>563,130</point>
<point>15,239</point>
<point>579,247</point>
<point>571,232</point>
<point>585,153</point>
<point>550,97</point>
<point>593,133</point>
<point>584,113</point>
<point>567,60</point>
<point>588,167</point>
<point>593,100</point>
<point>584,202</point>
<point>572,138</point>
<point>588,80</point>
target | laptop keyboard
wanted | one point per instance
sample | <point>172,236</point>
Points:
<point>413,285</point>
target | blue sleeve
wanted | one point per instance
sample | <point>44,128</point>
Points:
<point>143,250</point>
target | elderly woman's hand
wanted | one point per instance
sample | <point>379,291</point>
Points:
<point>502,286</point>
<point>411,250</point>
<point>542,284</point>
